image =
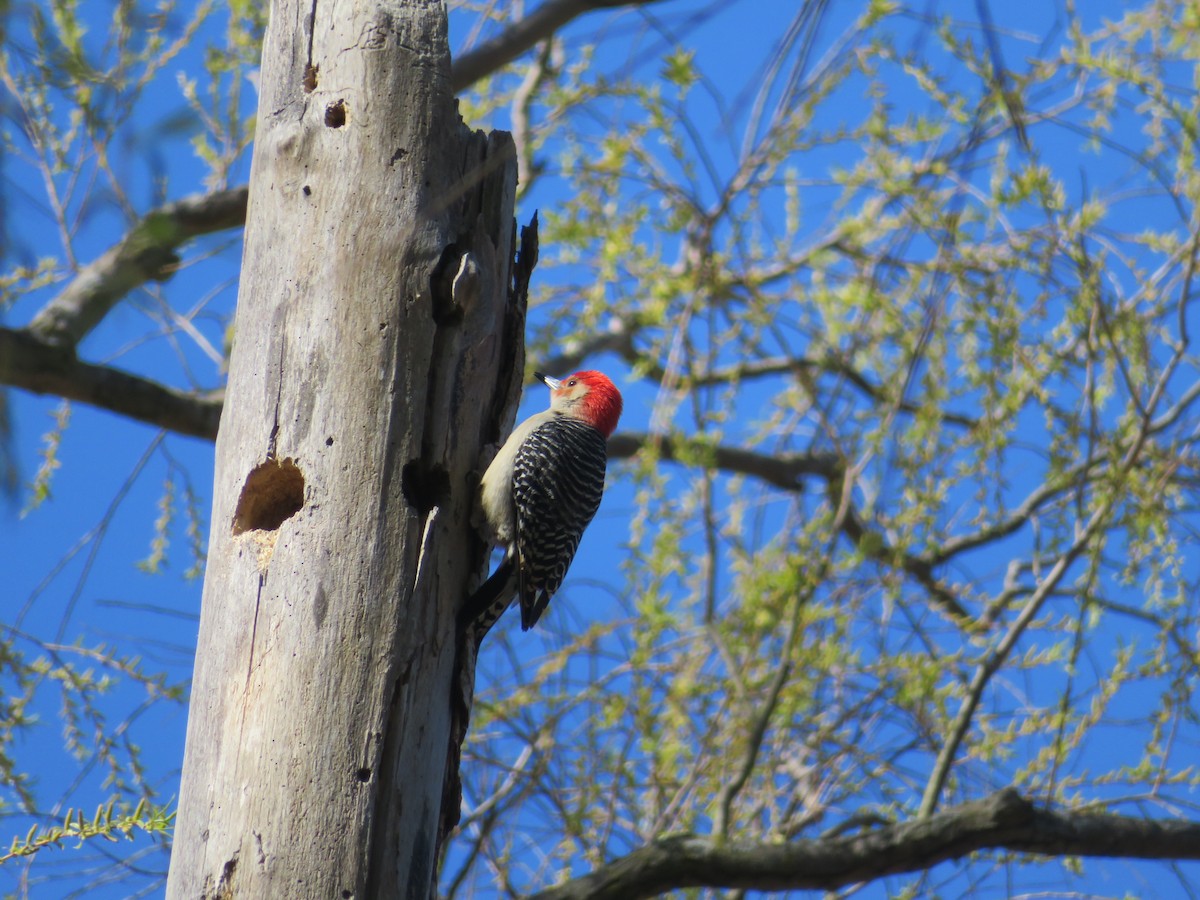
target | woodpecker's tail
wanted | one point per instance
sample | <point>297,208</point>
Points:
<point>533,603</point>
<point>488,603</point>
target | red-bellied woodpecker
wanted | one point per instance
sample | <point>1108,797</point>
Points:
<point>540,493</point>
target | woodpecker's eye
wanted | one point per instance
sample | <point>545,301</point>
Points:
<point>572,383</point>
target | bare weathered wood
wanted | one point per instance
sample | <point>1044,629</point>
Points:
<point>369,351</point>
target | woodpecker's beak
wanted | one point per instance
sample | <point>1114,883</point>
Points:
<point>553,383</point>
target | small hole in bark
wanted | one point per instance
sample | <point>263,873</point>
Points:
<point>307,191</point>
<point>272,494</point>
<point>425,488</point>
<point>335,114</point>
<point>310,78</point>
<point>363,774</point>
<point>328,442</point>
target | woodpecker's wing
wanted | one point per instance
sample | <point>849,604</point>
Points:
<point>558,479</point>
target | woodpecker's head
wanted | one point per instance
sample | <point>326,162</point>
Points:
<point>587,395</point>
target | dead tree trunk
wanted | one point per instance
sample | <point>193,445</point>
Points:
<point>375,351</point>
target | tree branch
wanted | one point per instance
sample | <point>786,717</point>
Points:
<point>616,338</point>
<point>875,546</point>
<point>1084,534</point>
<point>1028,508</point>
<point>785,470</point>
<point>522,35</point>
<point>146,253</point>
<point>35,365</point>
<point>1004,820</point>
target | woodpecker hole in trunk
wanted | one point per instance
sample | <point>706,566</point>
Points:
<point>424,488</point>
<point>272,494</point>
<point>335,114</point>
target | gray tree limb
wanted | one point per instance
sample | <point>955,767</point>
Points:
<point>146,253</point>
<point>1005,820</point>
<point>784,470</point>
<point>44,368</point>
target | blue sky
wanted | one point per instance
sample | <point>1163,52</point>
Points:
<point>72,562</point>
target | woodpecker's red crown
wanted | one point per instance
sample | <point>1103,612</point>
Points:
<point>588,395</point>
